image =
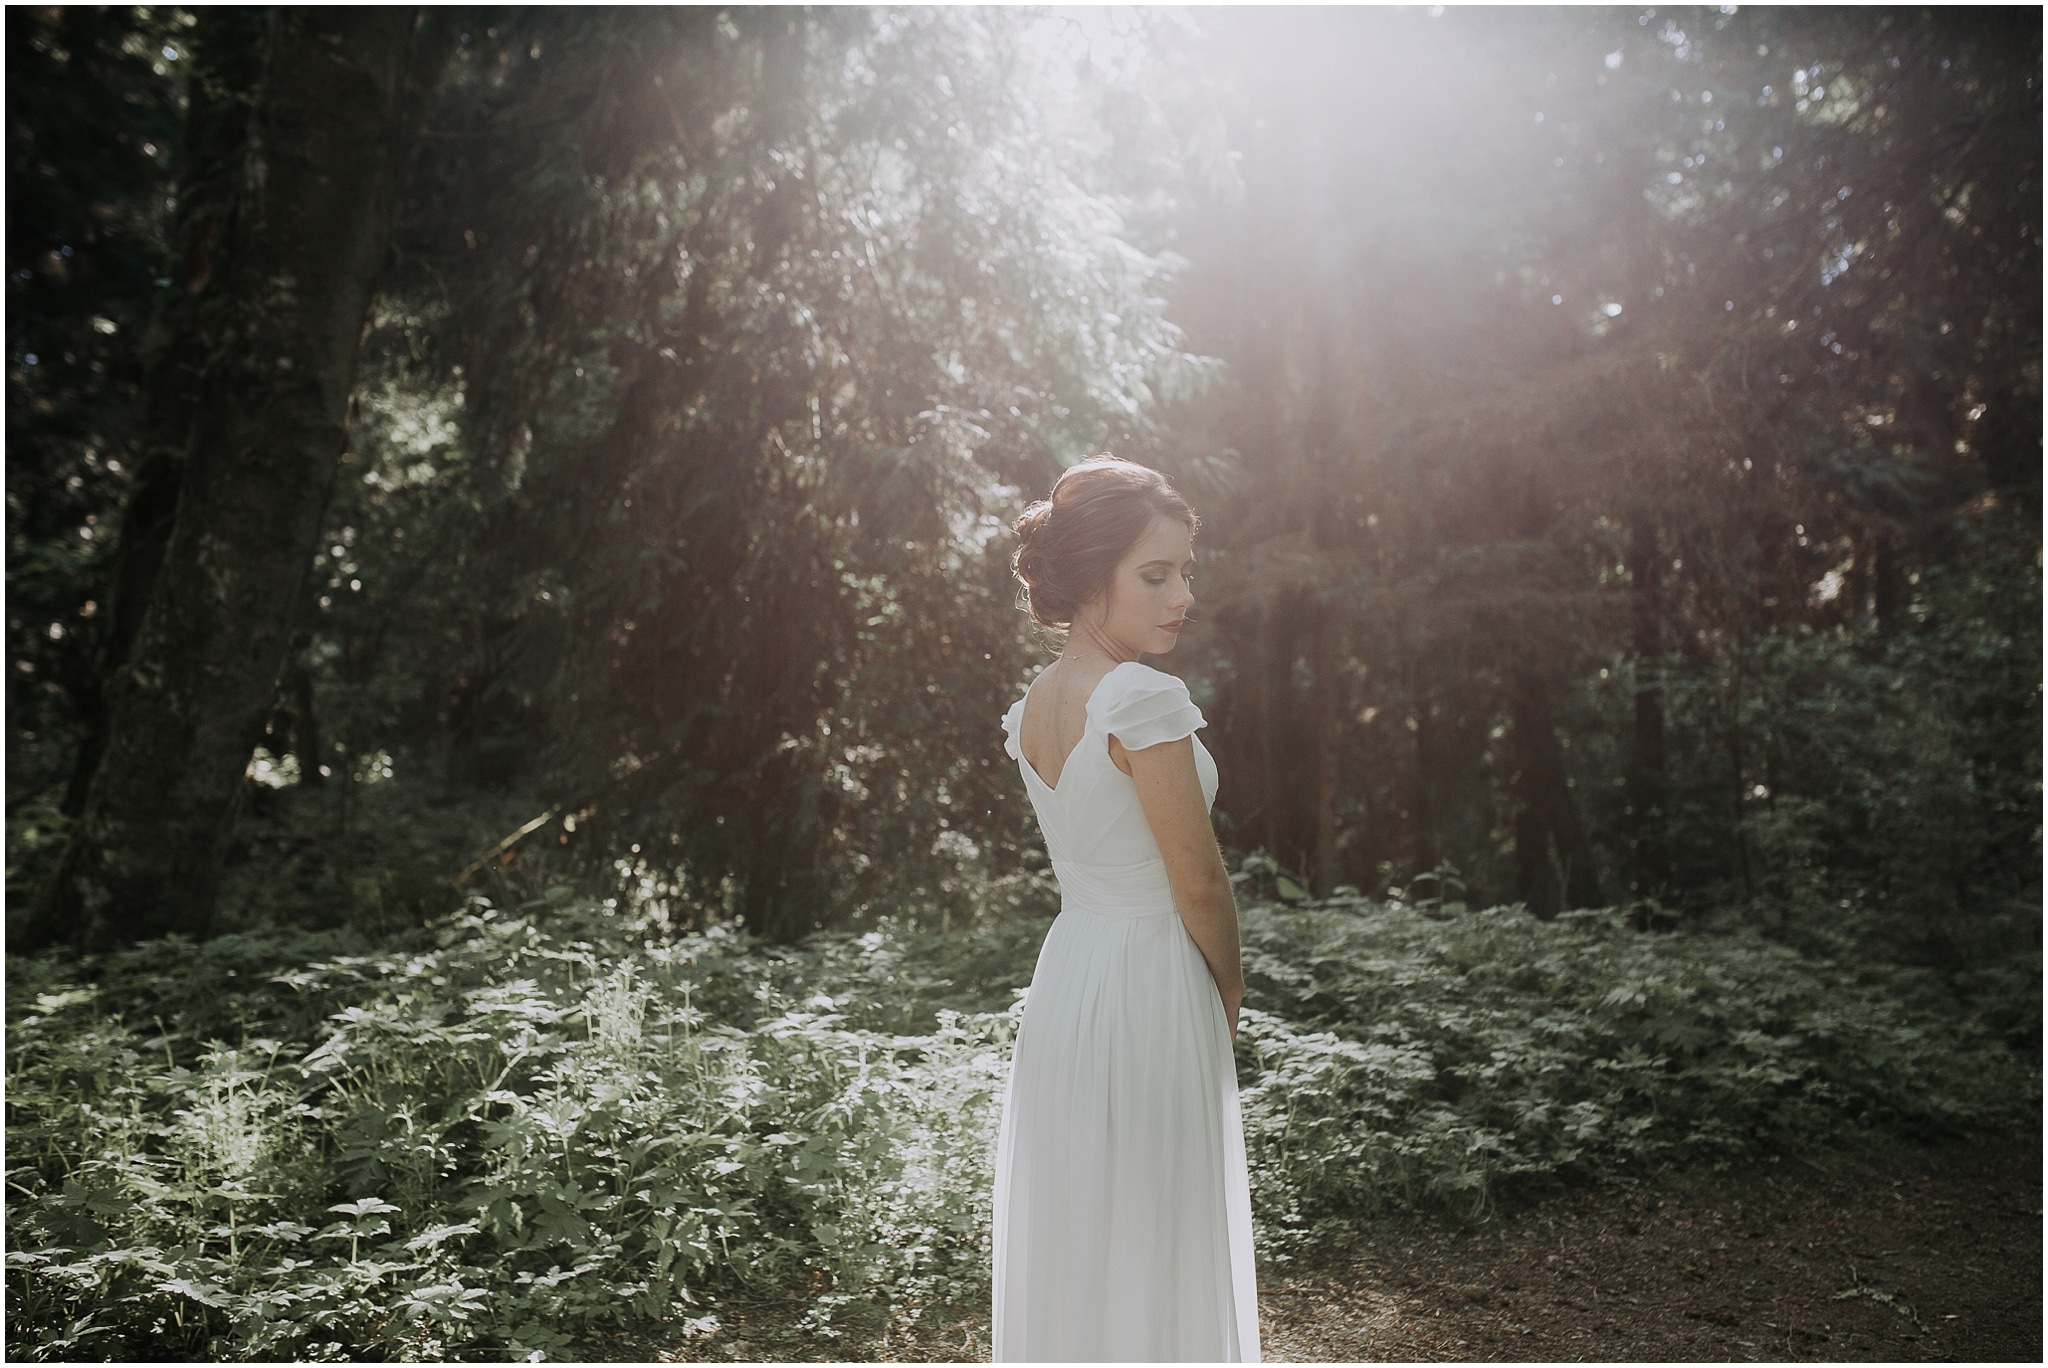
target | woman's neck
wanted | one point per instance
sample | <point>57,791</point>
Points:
<point>1090,643</point>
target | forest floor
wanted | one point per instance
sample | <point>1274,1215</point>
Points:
<point>1903,1253</point>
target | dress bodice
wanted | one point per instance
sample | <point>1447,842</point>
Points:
<point>1093,824</point>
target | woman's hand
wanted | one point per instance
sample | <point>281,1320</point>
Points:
<point>1233,1000</point>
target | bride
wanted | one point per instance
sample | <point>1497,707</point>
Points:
<point>1122,1213</point>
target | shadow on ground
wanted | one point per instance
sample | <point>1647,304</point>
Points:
<point>1905,1253</point>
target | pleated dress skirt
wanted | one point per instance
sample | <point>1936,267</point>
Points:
<point>1122,1212</point>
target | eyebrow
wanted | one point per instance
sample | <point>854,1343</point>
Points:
<point>1167,563</point>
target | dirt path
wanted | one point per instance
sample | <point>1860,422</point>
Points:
<point>1927,1254</point>
<point>1912,1254</point>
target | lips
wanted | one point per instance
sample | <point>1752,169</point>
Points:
<point>1172,626</point>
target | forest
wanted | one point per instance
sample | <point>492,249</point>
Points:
<point>509,612</point>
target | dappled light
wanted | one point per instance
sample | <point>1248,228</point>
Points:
<point>510,844</point>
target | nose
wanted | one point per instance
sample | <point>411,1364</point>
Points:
<point>1185,599</point>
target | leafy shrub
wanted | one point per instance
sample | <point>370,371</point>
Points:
<point>477,1147</point>
<point>1403,1060</point>
<point>523,1128</point>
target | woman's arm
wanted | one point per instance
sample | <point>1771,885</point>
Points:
<point>1170,792</point>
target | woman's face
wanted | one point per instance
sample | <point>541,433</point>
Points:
<point>1145,601</point>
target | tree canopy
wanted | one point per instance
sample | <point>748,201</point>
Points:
<point>1617,433</point>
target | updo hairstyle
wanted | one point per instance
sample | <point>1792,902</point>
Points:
<point>1068,546</point>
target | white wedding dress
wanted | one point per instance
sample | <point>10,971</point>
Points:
<point>1122,1213</point>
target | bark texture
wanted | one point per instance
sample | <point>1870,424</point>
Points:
<point>281,270</point>
<point>226,50</point>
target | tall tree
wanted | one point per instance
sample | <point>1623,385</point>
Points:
<point>749,330</point>
<point>280,273</point>
<point>228,51</point>
<point>93,119</point>
<point>1673,345</point>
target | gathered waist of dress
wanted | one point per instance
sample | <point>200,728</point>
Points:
<point>1138,889</point>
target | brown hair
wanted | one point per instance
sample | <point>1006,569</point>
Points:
<point>1069,545</point>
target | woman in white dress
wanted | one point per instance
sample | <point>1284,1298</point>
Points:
<point>1122,1212</point>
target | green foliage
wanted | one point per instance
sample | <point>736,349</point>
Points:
<point>1641,392</point>
<point>479,1146</point>
<point>1683,373</point>
<point>524,1127</point>
<point>1410,1058</point>
<point>718,347</point>
<point>718,351</point>
<point>1891,795</point>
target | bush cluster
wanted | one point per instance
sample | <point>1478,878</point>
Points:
<point>1407,1059</point>
<point>534,1125</point>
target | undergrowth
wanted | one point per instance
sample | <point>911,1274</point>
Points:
<point>527,1126</point>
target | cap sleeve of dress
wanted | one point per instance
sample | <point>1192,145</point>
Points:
<point>1148,707</point>
<point>1012,721</point>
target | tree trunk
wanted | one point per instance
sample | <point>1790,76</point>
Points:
<point>1273,675</point>
<point>1329,725</point>
<point>2009,439</point>
<point>226,55</point>
<point>1553,858</point>
<point>1421,814</point>
<point>1646,785</point>
<point>1739,768</point>
<point>304,738</point>
<point>281,294</point>
<point>1889,592</point>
